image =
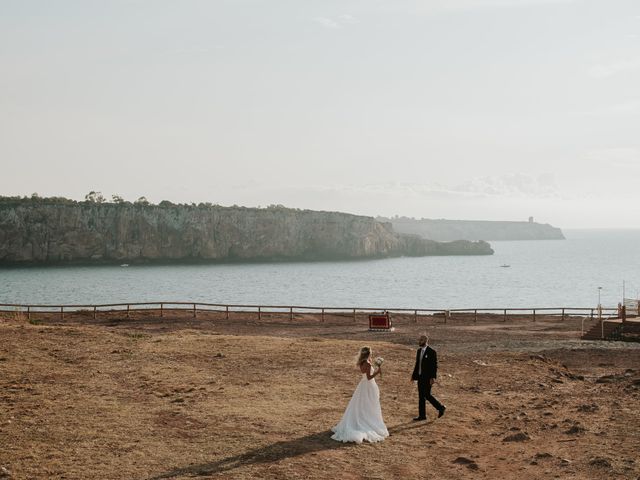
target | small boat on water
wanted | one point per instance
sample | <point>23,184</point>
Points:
<point>124,265</point>
<point>505,266</point>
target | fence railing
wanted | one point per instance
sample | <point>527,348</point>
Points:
<point>228,309</point>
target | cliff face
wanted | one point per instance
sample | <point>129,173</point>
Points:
<point>40,233</point>
<point>448,230</point>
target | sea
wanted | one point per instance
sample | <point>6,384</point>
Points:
<point>589,266</point>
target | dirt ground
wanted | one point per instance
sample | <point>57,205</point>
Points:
<point>177,397</point>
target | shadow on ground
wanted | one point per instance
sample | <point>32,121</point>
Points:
<point>269,454</point>
<point>272,453</point>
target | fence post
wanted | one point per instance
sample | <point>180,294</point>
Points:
<point>61,312</point>
<point>354,314</point>
<point>95,312</point>
<point>475,316</point>
<point>592,314</point>
<point>194,311</point>
<point>563,314</point>
<point>534,314</point>
<point>259,313</point>
<point>28,312</point>
<point>415,316</point>
<point>322,316</point>
<point>128,308</point>
<point>162,309</point>
<point>290,313</point>
<point>227,314</point>
<point>505,315</point>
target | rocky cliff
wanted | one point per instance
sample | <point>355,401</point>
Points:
<point>54,232</point>
<point>448,230</point>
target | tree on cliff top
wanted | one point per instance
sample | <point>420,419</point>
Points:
<point>94,197</point>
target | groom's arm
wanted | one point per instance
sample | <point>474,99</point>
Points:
<point>414,375</point>
<point>435,364</point>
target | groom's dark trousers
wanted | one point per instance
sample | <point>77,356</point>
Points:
<point>425,369</point>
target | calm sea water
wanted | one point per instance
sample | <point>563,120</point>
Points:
<point>541,273</point>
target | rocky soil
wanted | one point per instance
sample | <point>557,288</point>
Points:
<point>177,397</point>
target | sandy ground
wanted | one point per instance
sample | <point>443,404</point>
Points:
<point>174,397</point>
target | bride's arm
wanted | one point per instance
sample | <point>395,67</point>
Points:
<point>366,369</point>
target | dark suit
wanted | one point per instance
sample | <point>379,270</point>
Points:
<point>425,369</point>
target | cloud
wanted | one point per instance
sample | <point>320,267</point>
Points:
<point>326,22</point>
<point>435,5</point>
<point>616,157</point>
<point>193,50</point>
<point>626,107</point>
<point>596,207</point>
<point>506,3</point>
<point>347,19</point>
<point>629,107</point>
<point>338,22</point>
<point>614,68</point>
<point>512,185</point>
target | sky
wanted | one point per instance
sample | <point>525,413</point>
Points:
<point>461,109</point>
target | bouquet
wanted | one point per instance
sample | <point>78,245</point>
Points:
<point>378,362</point>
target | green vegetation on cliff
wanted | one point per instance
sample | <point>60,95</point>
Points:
<point>58,230</point>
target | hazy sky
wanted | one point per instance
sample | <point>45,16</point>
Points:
<point>474,109</point>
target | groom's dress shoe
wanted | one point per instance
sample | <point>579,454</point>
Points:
<point>441,411</point>
<point>419,419</point>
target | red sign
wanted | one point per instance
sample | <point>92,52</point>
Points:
<point>379,321</point>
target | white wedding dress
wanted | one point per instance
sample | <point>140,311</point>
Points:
<point>362,420</point>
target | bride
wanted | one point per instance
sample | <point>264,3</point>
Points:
<point>362,420</point>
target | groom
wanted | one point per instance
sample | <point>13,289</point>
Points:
<point>425,373</point>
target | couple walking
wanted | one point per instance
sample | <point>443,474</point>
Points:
<point>362,420</point>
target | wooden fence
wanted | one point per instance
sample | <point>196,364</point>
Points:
<point>290,310</point>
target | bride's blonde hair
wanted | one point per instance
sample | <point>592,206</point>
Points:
<point>365,352</point>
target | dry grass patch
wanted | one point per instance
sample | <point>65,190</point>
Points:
<point>105,403</point>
